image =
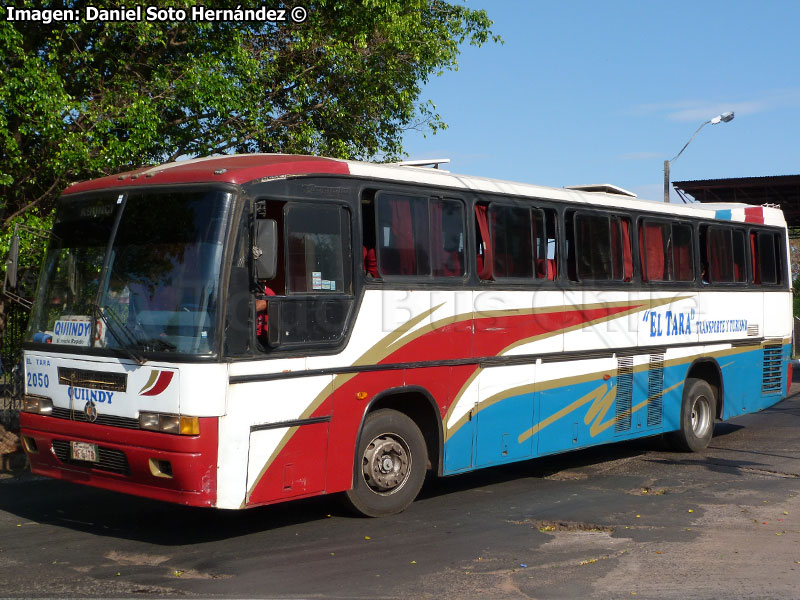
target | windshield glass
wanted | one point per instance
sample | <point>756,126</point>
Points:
<point>160,290</point>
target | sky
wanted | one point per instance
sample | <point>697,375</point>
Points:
<point>603,91</point>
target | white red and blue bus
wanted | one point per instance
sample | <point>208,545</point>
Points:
<point>415,320</point>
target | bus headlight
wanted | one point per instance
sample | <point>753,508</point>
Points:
<point>175,424</point>
<point>37,404</point>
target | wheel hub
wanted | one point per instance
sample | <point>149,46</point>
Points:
<point>386,463</point>
<point>700,416</point>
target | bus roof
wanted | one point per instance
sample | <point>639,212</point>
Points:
<point>244,168</point>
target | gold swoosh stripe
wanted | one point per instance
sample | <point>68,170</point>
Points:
<point>583,378</point>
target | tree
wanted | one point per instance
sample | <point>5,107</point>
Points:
<point>84,98</point>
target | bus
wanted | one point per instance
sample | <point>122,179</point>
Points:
<point>241,330</point>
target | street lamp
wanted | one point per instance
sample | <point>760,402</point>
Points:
<point>723,118</point>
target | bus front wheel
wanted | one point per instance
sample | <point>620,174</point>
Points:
<point>390,464</point>
<point>698,411</point>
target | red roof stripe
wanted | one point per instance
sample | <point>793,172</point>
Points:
<point>236,169</point>
<point>754,214</point>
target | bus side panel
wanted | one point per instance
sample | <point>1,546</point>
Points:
<point>505,413</point>
<point>255,407</point>
<point>577,405</point>
<point>459,427</point>
<point>617,332</point>
<point>347,416</point>
<point>298,469</point>
<point>778,314</point>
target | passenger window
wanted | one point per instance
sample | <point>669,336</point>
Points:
<point>600,247</point>
<point>720,255</point>
<point>723,262</point>
<point>666,251</point>
<point>766,262</point>
<point>318,240</point>
<point>515,242</point>
<point>447,238</point>
<point>417,236</point>
<point>512,250</point>
<point>681,253</point>
<point>403,238</point>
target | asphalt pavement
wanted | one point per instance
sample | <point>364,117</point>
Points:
<point>628,520</point>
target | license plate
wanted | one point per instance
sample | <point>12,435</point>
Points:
<point>83,451</point>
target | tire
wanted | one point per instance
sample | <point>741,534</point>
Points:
<point>698,411</point>
<point>390,465</point>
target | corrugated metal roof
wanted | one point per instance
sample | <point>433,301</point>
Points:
<point>781,190</point>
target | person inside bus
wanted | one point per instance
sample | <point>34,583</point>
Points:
<point>262,310</point>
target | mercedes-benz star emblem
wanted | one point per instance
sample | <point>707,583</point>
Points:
<point>91,411</point>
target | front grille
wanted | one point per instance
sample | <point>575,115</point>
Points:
<point>95,380</point>
<point>110,420</point>
<point>108,459</point>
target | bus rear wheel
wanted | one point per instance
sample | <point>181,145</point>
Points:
<point>698,411</point>
<point>390,464</point>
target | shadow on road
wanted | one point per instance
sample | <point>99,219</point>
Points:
<point>107,513</point>
<point>717,465</point>
<point>111,514</point>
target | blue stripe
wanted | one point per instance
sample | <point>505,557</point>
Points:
<point>492,436</point>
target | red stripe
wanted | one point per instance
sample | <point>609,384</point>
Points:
<point>754,214</point>
<point>164,379</point>
<point>492,335</point>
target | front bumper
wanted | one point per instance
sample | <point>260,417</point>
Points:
<point>185,466</point>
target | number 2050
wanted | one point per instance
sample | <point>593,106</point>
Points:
<point>38,380</point>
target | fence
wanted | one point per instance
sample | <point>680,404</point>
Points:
<point>11,372</point>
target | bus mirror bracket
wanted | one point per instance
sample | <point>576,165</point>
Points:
<point>11,279</point>
<point>265,250</point>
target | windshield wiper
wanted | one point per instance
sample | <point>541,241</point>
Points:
<point>156,344</point>
<point>119,330</point>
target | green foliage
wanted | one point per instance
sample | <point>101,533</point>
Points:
<point>85,99</point>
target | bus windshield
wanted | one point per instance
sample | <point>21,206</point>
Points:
<point>161,284</point>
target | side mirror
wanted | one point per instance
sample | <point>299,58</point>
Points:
<point>10,282</point>
<point>265,250</point>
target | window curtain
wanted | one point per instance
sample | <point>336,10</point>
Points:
<point>438,255</point>
<point>652,250</point>
<point>482,216</point>
<point>403,233</point>
<point>754,259</point>
<point>627,257</point>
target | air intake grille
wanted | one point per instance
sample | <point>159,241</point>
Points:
<point>655,387</point>
<point>95,380</point>
<point>108,459</point>
<point>771,378</point>
<point>624,393</point>
<point>111,420</point>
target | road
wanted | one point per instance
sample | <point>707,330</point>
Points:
<point>629,520</point>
